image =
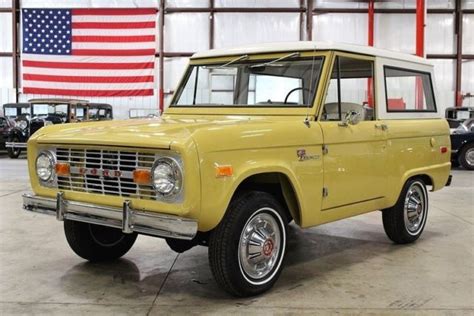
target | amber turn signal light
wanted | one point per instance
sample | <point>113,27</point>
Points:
<point>141,176</point>
<point>224,171</point>
<point>62,169</point>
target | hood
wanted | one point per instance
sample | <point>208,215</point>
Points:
<point>145,133</point>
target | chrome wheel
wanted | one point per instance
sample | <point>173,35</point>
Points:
<point>415,208</point>
<point>470,157</point>
<point>261,246</point>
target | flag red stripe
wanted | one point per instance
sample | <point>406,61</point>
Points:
<point>93,79</point>
<point>113,25</point>
<point>113,52</point>
<point>114,39</point>
<point>89,93</point>
<point>63,65</point>
<point>142,11</point>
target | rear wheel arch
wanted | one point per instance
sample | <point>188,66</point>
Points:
<point>427,180</point>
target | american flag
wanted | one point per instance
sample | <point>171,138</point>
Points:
<point>89,52</point>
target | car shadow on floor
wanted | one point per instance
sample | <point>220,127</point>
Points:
<point>314,249</point>
<point>105,281</point>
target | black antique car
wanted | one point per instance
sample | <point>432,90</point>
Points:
<point>5,125</point>
<point>462,145</point>
<point>30,117</point>
<point>456,115</point>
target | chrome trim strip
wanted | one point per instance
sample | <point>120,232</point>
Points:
<point>15,145</point>
<point>127,219</point>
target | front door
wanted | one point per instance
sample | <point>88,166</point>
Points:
<point>354,163</point>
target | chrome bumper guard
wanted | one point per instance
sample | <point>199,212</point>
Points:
<point>127,219</point>
<point>15,145</point>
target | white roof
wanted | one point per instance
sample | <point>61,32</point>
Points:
<point>309,46</point>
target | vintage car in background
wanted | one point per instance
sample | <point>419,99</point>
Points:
<point>5,125</point>
<point>254,138</point>
<point>457,115</point>
<point>37,113</point>
<point>462,145</point>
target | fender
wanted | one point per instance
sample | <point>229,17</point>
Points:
<point>15,131</point>
<point>437,174</point>
<point>217,192</point>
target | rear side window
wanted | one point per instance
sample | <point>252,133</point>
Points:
<point>408,90</point>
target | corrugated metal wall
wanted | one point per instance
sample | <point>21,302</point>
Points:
<point>189,32</point>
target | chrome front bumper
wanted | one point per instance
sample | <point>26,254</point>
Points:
<point>127,219</point>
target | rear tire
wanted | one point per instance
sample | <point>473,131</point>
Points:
<point>405,221</point>
<point>97,243</point>
<point>247,248</point>
<point>466,157</point>
<point>14,152</point>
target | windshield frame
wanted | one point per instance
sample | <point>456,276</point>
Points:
<point>244,109</point>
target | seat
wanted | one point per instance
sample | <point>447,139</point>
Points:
<point>331,111</point>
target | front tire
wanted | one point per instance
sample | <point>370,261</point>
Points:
<point>405,221</point>
<point>466,157</point>
<point>247,248</point>
<point>97,243</point>
<point>14,152</point>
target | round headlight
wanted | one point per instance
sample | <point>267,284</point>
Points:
<point>167,176</point>
<point>21,124</point>
<point>45,165</point>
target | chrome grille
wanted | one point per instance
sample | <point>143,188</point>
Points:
<point>108,172</point>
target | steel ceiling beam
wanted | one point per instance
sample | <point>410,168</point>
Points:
<point>458,31</point>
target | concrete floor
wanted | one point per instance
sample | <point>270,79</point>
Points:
<point>347,267</point>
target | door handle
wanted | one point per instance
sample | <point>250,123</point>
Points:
<point>382,126</point>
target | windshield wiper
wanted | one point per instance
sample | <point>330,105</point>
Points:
<point>243,57</point>
<point>296,54</point>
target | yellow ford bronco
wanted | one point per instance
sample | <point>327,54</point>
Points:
<point>254,138</point>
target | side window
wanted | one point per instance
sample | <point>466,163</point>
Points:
<point>350,89</point>
<point>3,123</point>
<point>408,91</point>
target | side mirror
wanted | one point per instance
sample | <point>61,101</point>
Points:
<point>350,118</point>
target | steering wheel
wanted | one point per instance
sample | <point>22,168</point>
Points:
<point>293,90</point>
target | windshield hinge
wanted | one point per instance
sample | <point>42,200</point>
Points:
<point>325,149</point>
<point>325,192</point>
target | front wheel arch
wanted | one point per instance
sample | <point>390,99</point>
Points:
<point>277,184</point>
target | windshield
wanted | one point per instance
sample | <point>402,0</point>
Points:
<point>45,109</point>
<point>460,114</point>
<point>15,111</point>
<point>280,83</point>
